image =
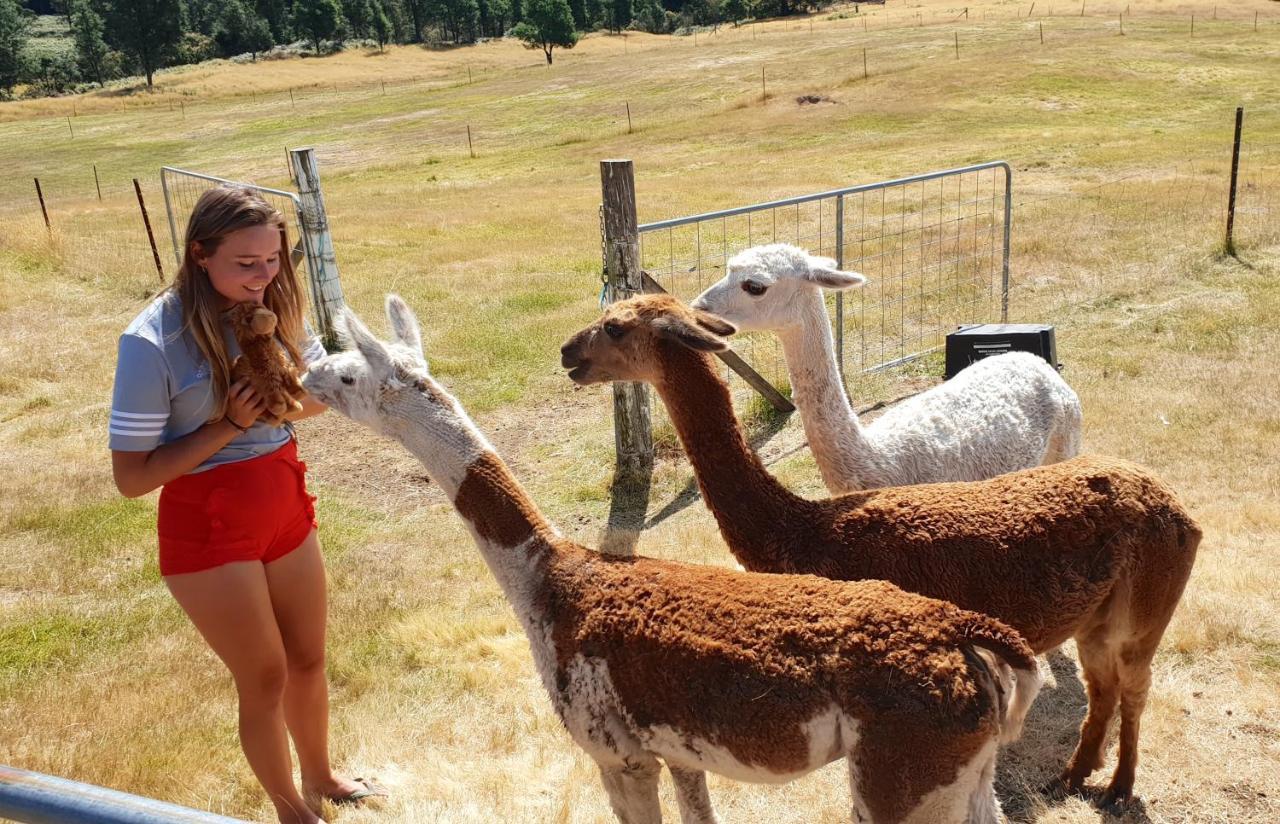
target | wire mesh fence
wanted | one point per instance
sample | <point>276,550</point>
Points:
<point>934,248</point>
<point>183,188</point>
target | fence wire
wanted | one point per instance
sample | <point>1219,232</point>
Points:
<point>933,251</point>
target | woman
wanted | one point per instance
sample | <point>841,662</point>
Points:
<point>238,545</point>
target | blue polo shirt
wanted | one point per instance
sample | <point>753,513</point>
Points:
<point>163,389</point>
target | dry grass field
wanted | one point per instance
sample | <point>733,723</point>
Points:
<point>1120,145</point>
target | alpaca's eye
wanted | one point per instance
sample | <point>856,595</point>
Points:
<point>752,288</point>
<point>348,380</point>
<point>614,330</point>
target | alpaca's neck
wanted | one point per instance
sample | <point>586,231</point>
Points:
<point>844,453</point>
<point>749,504</point>
<point>514,538</point>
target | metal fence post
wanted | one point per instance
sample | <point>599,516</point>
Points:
<point>146,221</point>
<point>1008,217</point>
<point>326,288</point>
<point>840,293</point>
<point>633,437</point>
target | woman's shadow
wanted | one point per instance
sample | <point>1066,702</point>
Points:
<point>1028,769</point>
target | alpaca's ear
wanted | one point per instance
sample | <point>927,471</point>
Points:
<point>404,324</point>
<point>354,333</point>
<point>689,334</point>
<point>824,272</point>
<point>714,323</point>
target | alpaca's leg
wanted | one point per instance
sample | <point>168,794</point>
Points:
<point>1135,681</point>
<point>692,796</point>
<point>632,786</point>
<point>984,807</point>
<point>1102,680</point>
<point>861,813</point>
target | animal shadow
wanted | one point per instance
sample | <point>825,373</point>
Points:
<point>1029,767</point>
<point>757,436</point>
<point>628,503</point>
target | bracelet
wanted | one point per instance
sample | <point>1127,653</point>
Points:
<point>242,429</point>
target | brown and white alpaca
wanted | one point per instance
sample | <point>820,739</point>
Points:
<point>1094,548</point>
<point>756,677</point>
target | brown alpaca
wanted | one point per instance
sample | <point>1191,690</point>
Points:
<point>756,677</point>
<point>1094,549</point>
<point>263,362</point>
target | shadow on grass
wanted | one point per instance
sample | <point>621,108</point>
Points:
<point>1028,768</point>
<point>628,502</point>
<point>757,437</point>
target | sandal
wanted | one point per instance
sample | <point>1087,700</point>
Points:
<point>368,789</point>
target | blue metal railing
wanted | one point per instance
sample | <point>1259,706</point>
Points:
<point>34,798</point>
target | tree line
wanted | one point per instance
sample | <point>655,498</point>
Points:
<point>121,38</point>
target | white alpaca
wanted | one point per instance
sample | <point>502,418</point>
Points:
<point>1003,413</point>
<point>757,677</point>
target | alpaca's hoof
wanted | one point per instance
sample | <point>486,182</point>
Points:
<point>1116,799</point>
<point>1064,785</point>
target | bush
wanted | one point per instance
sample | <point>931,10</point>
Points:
<point>195,48</point>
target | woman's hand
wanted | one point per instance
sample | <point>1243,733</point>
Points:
<point>244,405</point>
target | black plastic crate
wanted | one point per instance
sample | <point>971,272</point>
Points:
<point>973,343</point>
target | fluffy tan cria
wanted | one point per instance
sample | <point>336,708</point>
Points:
<point>263,362</point>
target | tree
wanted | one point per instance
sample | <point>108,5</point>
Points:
<point>316,19</point>
<point>620,14</point>
<point>241,30</point>
<point>15,23</point>
<point>277,17</point>
<point>417,10</point>
<point>546,24</point>
<point>201,16</point>
<point>579,11</point>
<point>146,30</point>
<point>734,10</point>
<point>359,14</point>
<point>381,25</point>
<point>456,20</point>
<point>87,34</point>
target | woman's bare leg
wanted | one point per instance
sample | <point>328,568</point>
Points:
<point>231,607</point>
<point>297,587</point>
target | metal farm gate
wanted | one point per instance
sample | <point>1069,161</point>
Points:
<point>310,227</point>
<point>934,248</point>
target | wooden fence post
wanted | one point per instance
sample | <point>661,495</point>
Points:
<point>96,184</point>
<point>633,438</point>
<point>1235,169</point>
<point>146,221</point>
<point>322,264</point>
<point>43,210</point>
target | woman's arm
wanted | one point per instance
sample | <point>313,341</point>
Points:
<point>310,406</point>
<point>137,473</point>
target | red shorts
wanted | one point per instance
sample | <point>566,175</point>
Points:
<point>254,510</point>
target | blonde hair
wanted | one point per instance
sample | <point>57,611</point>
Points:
<point>219,212</point>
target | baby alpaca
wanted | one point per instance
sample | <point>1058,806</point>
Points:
<point>756,677</point>
<point>1094,548</point>
<point>1001,414</point>
<point>263,362</point>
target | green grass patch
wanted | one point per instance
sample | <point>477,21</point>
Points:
<point>92,531</point>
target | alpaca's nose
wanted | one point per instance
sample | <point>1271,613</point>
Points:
<point>569,353</point>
